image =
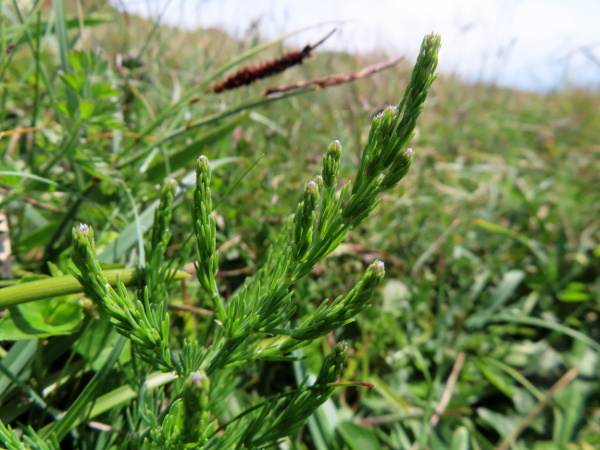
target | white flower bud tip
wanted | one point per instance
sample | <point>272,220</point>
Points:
<point>82,227</point>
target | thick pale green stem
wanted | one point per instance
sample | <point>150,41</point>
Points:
<point>66,285</point>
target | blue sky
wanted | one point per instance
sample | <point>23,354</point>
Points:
<point>527,44</point>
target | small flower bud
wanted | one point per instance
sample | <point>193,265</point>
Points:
<point>399,169</point>
<point>389,118</point>
<point>83,228</point>
<point>372,278</point>
<point>311,193</point>
<point>202,193</point>
<point>83,242</point>
<point>319,182</point>
<point>383,124</point>
<point>171,185</point>
<point>202,164</point>
<point>304,221</point>
<point>331,164</point>
<point>377,268</point>
<point>333,365</point>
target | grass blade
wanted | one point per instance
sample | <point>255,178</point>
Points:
<point>79,409</point>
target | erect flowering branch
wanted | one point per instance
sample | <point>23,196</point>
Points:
<point>260,320</point>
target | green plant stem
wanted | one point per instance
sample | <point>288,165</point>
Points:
<point>67,285</point>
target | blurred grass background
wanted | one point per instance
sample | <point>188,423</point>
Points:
<point>491,243</point>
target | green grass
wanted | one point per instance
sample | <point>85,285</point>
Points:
<point>491,243</point>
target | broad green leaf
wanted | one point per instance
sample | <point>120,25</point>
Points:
<point>41,319</point>
<point>575,292</point>
<point>357,437</point>
<point>86,109</point>
<point>460,439</point>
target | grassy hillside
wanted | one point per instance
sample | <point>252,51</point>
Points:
<point>482,334</point>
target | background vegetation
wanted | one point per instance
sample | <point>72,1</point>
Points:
<point>485,333</point>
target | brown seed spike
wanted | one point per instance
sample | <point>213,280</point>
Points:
<point>250,74</point>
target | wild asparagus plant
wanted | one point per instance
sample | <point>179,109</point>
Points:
<point>258,321</point>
